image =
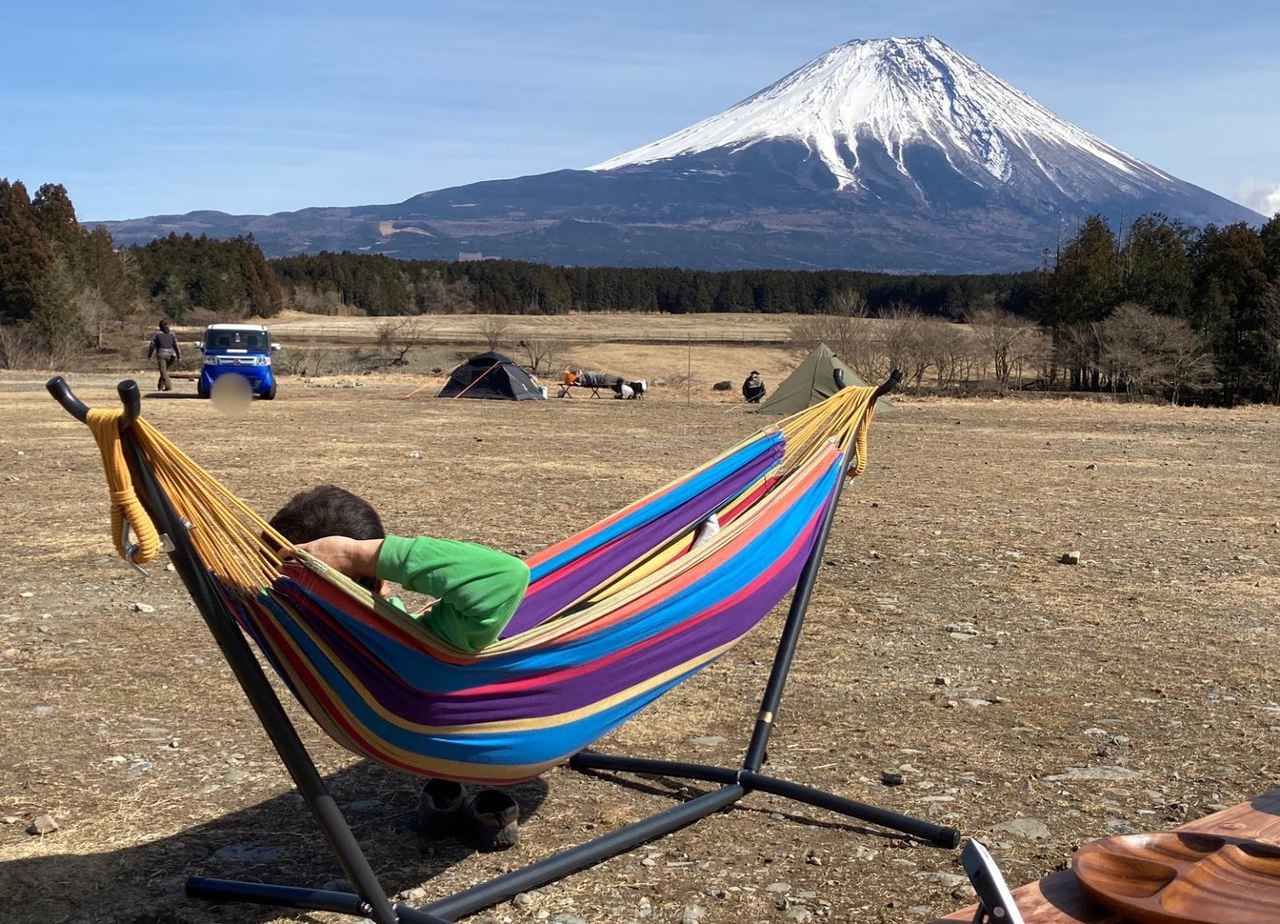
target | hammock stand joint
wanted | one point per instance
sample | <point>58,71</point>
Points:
<point>370,900</point>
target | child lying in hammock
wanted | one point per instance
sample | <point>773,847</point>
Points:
<point>477,588</point>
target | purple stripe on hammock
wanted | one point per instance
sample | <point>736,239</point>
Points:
<point>426,708</point>
<point>548,599</point>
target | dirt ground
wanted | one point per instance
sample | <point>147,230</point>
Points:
<point>945,642</point>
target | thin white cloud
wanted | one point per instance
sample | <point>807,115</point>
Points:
<point>1262,197</point>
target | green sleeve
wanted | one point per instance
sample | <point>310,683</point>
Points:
<point>477,589</point>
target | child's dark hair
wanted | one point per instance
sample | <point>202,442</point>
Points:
<point>327,510</point>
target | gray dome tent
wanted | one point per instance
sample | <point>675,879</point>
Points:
<point>491,375</point>
<point>820,376</point>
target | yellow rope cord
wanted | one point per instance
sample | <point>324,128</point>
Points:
<point>125,506</point>
<point>245,553</point>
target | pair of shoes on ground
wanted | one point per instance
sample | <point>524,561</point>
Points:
<point>488,819</point>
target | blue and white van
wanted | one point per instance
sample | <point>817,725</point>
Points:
<point>238,349</point>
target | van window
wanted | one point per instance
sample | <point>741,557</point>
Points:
<point>254,341</point>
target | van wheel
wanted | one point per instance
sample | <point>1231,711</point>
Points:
<point>201,389</point>
<point>270,393</point>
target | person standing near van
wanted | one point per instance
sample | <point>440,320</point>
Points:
<point>164,347</point>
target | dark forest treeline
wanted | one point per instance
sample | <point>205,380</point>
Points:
<point>381,285</point>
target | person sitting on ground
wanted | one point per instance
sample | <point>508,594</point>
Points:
<point>164,347</point>
<point>753,388</point>
<point>477,590</point>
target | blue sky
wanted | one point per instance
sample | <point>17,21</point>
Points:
<point>152,108</point>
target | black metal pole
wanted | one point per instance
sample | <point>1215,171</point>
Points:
<point>230,890</point>
<point>61,391</point>
<point>594,760</point>
<point>795,615</point>
<point>245,666</point>
<point>602,848</point>
<point>280,896</point>
<point>937,835</point>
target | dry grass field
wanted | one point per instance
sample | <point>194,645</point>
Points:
<point>945,641</point>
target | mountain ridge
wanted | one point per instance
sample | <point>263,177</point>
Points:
<point>891,154</point>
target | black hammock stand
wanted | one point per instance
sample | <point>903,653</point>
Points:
<point>370,899</point>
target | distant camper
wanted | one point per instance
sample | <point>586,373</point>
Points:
<point>164,347</point>
<point>753,388</point>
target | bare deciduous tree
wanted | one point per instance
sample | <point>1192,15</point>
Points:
<point>1002,336</point>
<point>903,339</point>
<point>1145,351</point>
<point>94,313</point>
<point>846,330</point>
<point>947,345</point>
<point>545,355</point>
<point>398,336</point>
<point>17,347</point>
<point>494,330</point>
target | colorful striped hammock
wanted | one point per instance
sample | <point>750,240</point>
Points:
<point>614,617</point>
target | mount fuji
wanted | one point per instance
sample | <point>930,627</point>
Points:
<point>892,154</point>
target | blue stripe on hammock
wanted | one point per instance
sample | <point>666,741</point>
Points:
<point>656,508</point>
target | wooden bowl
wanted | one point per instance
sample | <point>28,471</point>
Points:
<point>1183,878</point>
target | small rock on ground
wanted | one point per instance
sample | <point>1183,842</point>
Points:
<point>142,608</point>
<point>1070,558</point>
<point>693,914</point>
<point>892,778</point>
<point>948,880</point>
<point>1032,829</point>
<point>42,824</point>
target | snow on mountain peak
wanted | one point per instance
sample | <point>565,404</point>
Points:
<point>895,92</point>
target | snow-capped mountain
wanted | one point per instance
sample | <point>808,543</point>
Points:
<point>896,94</point>
<point>879,154</point>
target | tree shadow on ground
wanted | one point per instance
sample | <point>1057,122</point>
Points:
<point>273,841</point>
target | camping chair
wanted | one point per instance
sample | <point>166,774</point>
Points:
<point>572,380</point>
<point>615,616</point>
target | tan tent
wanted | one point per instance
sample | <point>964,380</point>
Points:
<point>813,381</point>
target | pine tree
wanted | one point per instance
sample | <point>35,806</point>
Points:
<point>1230,307</point>
<point>25,257</point>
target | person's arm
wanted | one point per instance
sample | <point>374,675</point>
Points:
<point>477,588</point>
<point>177,350</point>
<point>356,558</point>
